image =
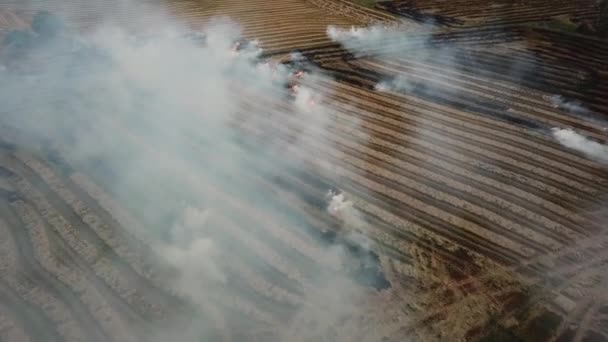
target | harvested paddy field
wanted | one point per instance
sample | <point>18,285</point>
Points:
<point>303,170</point>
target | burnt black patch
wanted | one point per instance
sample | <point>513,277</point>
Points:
<point>367,269</point>
<point>406,9</point>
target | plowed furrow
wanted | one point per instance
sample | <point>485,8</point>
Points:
<point>441,138</point>
<point>505,173</point>
<point>18,314</point>
<point>132,270</point>
<point>72,319</point>
<point>454,191</point>
<point>513,135</point>
<point>373,173</point>
<point>69,273</point>
<point>364,156</point>
<point>380,196</point>
<point>490,90</point>
<point>89,246</point>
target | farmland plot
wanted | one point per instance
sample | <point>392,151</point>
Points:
<point>418,182</point>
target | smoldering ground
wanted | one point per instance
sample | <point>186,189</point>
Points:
<point>168,126</point>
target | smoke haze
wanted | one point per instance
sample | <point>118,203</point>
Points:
<point>163,122</point>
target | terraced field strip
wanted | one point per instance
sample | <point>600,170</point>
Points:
<point>131,269</point>
<point>573,195</point>
<point>396,201</point>
<point>106,265</point>
<point>422,123</point>
<point>470,90</point>
<point>360,152</point>
<point>68,317</point>
<point>128,293</point>
<point>84,240</point>
<point>17,312</point>
<point>512,134</point>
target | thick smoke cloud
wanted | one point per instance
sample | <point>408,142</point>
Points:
<point>385,40</point>
<point>344,210</point>
<point>573,140</point>
<point>160,120</point>
<point>580,143</point>
<point>193,251</point>
<point>362,38</point>
<point>390,43</point>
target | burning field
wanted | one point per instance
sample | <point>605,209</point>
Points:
<point>303,170</point>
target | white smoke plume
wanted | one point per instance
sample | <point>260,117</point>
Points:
<point>558,101</point>
<point>156,120</point>
<point>198,263</point>
<point>343,209</point>
<point>337,204</point>
<point>359,36</point>
<point>306,99</point>
<point>194,253</point>
<point>576,107</point>
<point>390,43</point>
<point>385,40</point>
<point>571,139</point>
<point>383,86</point>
